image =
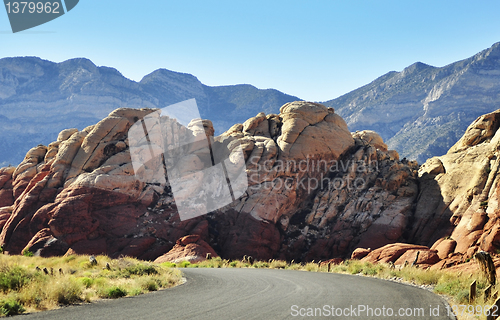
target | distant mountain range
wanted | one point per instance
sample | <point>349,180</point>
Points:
<point>423,110</point>
<point>420,112</point>
<point>39,98</point>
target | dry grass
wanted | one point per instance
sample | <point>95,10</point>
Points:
<point>74,279</point>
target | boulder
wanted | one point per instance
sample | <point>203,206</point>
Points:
<point>392,252</point>
<point>360,253</point>
<point>189,248</point>
<point>425,257</point>
<point>444,247</point>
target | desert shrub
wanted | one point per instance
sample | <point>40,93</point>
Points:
<point>233,264</point>
<point>261,264</point>
<point>168,264</point>
<point>278,264</point>
<point>28,253</point>
<point>150,284</point>
<point>448,286</point>
<point>295,266</point>
<point>11,308</point>
<point>66,291</point>
<point>87,282</point>
<point>462,296</point>
<point>354,268</point>
<point>141,270</point>
<point>136,292</point>
<point>13,278</point>
<point>311,266</point>
<point>115,292</point>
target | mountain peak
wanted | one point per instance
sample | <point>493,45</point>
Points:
<point>167,75</point>
<point>416,67</point>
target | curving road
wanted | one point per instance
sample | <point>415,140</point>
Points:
<point>267,294</point>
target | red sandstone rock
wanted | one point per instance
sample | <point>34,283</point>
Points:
<point>444,247</point>
<point>425,257</point>
<point>490,240</point>
<point>391,252</point>
<point>360,253</point>
<point>452,260</point>
<point>190,248</point>
<point>188,239</point>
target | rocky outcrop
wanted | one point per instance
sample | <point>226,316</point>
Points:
<point>366,200</point>
<point>189,248</point>
<point>6,187</point>
<point>315,192</point>
<point>396,252</point>
<point>457,211</point>
<point>81,193</point>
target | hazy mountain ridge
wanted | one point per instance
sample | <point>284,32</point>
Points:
<point>39,98</point>
<point>423,110</point>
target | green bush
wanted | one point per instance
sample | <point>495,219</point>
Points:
<point>13,278</point>
<point>86,281</point>
<point>11,308</point>
<point>169,264</point>
<point>115,292</point>
<point>28,253</point>
<point>150,285</point>
<point>261,264</point>
<point>141,270</point>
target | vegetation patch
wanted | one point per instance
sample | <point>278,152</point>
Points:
<point>29,283</point>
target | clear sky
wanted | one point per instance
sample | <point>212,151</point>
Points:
<point>316,50</point>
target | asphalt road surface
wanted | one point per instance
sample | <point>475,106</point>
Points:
<point>267,294</point>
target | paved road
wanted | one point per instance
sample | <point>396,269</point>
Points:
<point>266,294</point>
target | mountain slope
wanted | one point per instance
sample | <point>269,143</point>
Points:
<point>39,98</point>
<point>423,110</point>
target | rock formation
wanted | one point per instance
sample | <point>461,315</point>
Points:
<point>189,248</point>
<point>457,209</point>
<point>315,192</point>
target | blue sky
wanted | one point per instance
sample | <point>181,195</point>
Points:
<point>316,50</point>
